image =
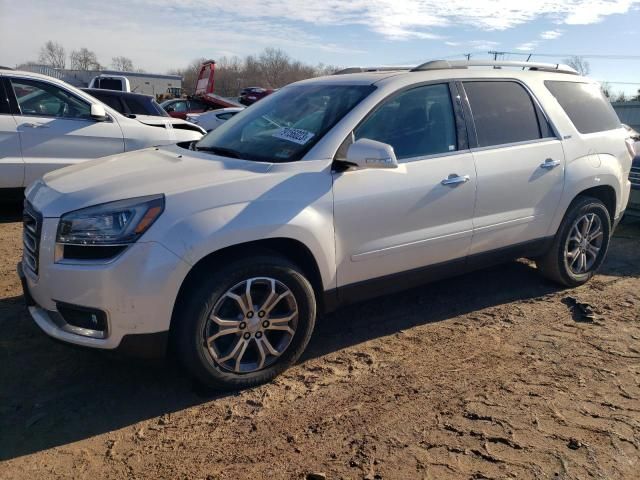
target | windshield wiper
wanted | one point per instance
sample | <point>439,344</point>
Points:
<point>225,152</point>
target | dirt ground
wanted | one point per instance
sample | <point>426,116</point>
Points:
<point>489,375</point>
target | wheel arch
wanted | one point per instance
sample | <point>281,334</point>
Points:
<point>293,250</point>
<point>605,193</point>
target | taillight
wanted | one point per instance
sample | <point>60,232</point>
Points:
<point>631,147</point>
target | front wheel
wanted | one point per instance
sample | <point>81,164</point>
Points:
<point>581,244</point>
<point>245,323</point>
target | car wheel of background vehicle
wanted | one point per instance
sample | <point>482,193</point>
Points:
<point>245,323</point>
<point>580,245</point>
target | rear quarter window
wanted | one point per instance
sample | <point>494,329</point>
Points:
<point>585,105</point>
<point>503,113</point>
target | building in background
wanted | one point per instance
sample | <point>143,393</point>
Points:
<point>628,113</point>
<point>147,83</point>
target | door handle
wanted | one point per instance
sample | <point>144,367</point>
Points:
<point>550,163</point>
<point>455,179</point>
<point>35,125</point>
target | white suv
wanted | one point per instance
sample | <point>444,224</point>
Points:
<point>46,124</point>
<point>330,191</point>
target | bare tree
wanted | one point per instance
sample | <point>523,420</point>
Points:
<point>274,64</point>
<point>607,90</point>
<point>122,64</point>
<point>53,54</point>
<point>579,64</point>
<point>84,59</point>
<point>271,68</point>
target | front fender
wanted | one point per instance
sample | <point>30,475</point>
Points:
<point>196,236</point>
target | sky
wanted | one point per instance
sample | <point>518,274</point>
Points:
<point>159,35</point>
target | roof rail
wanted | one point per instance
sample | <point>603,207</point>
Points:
<point>369,69</point>
<point>460,64</point>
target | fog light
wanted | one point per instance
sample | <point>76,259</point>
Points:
<point>85,321</point>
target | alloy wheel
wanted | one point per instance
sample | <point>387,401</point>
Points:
<point>584,243</point>
<point>251,325</point>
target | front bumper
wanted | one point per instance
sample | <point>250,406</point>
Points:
<point>136,290</point>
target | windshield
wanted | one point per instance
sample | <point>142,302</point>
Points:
<point>284,126</point>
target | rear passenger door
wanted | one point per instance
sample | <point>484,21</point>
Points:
<point>519,163</point>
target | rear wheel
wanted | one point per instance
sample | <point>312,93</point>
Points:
<point>581,244</point>
<point>245,323</point>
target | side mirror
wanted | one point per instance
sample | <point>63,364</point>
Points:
<point>98,112</point>
<point>169,109</point>
<point>365,153</point>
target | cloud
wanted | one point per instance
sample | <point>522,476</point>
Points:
<point>398,19</point>
<point>482,44</point>
<point>159,34</point>
<point>528,46</point>
<point>551,34</point>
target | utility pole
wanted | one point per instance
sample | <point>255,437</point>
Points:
<point>495,54</point>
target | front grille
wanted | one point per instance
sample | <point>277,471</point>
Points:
<point>31,231</point>
<point>634,176</point>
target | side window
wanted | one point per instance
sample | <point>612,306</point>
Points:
<point>503,112</point>
<point>137,107</point>
<point>112,101</point>
<point>585,105</point>
<point>4,99</point>
<point>180,106</point>
<point>43,99</point>
<point>195,105</point>
<point>415,123</point>
<point>225,116</point>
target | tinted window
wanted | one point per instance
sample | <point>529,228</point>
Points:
<point>194,105</point>
<point>180,106</point>
<point>110,100</point>
<point>4,99</point>
<point>285,125</point>
<point>585,105</point>
<point>45,99</point>
<point>415,123</point>
<point>110,84</point>
<point>138,106</point>
<point>503,112</point>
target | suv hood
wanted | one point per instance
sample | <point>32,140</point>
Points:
<point>167,170</point>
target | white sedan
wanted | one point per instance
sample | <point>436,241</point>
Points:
<point>46,124</point>
<point>214,118</point>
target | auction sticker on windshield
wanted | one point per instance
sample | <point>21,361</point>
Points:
<point>295,135</point>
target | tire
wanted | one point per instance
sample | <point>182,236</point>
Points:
<point>557,264</point>
<point>223,293</point>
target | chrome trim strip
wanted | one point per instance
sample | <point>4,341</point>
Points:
<point>406,246</point>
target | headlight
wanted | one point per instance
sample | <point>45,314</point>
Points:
<point>113,223</point>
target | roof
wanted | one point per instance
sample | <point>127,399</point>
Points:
<point>408,77</point>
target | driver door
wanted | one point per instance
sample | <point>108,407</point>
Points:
<point>56,128</point>
<point>392,222</point>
